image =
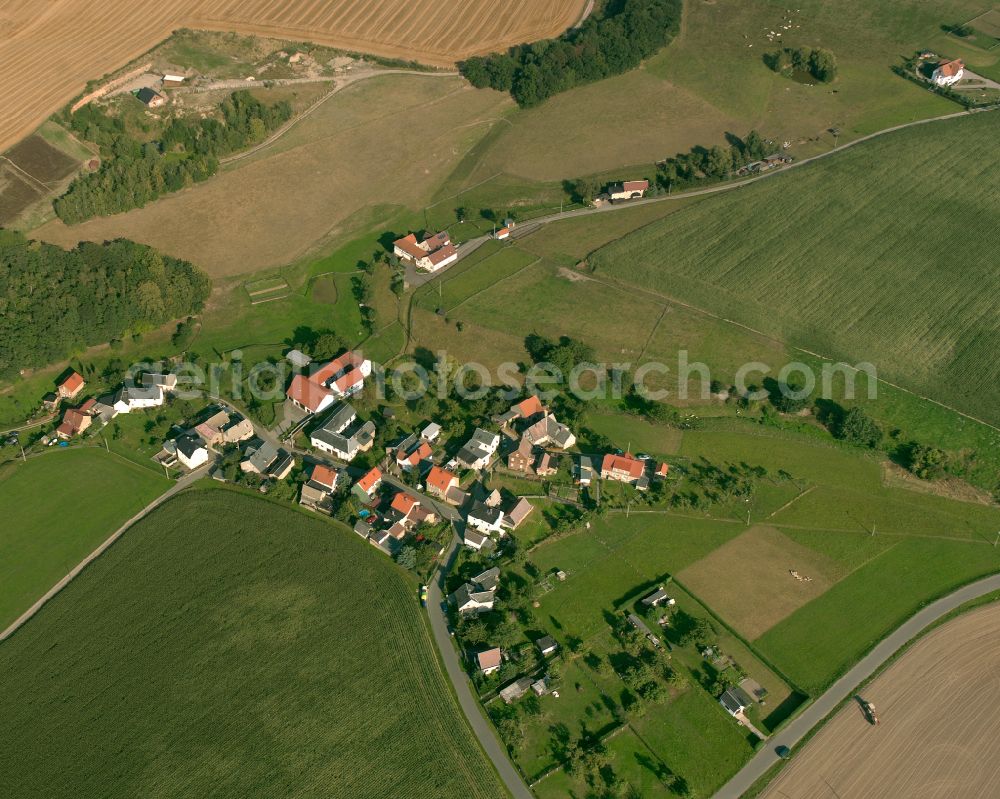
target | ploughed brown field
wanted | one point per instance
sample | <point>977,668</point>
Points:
<point>938,725</point>
<point>49,49</point>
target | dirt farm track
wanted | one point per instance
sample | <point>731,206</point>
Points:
<point>939,732</point>
<point>49,49</point>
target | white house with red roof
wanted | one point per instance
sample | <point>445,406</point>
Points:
<point>71,386</point>
<point>624,469</point>
<point>367,487</point>
<point>441,481</point>
<point>337,379</point>
<point>412,453</point>
<point>948,72</point>
<point>629,189</point>
<point>433,253</point>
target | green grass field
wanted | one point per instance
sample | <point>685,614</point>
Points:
<point>882,254</point>
<point>266,653</point>
<point>56,509</point>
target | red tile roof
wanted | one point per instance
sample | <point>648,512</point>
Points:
<point>441,479</point>
<point>408,244</point>
<point>307,393</point>
<point>663,469</point>
<point>404,503</point>
<point>490,659</point>
<point>421,453</point>
<point>442,254</point>
<point>623,463</point>
<point>951,68</point>
<point>370,480</point>
<point>635,185</point>
<point>87,405</point>
<point>73,383</point>
<point>324,475</point>
<point>311,390</point>
<point>529,407</point>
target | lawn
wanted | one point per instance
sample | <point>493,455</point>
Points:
<point>925,316</point>
<point>274,654</point>
<point>57,508</point>
<point>824,638</point>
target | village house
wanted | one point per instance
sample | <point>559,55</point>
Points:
<point>191,451</point>
<point>75,421</point>
<point>471,598</point>
<point>440,482</point>
<point>523,458</point>
<point>167,383</point>
<point>407,512</point>
<point>131,397</point>
<point>527,409</point>
<point>150,98</point>
<point>412,452</point>
<point>263,458</point>
<point>628,190</point>
<point>71,385</point>
<point>502,233</point>
<point>657,598</point>
<point>479,450</point>
<point>489,661</point>
<point>512,518</point>
<point>735,700</point>
<point>584,471</point>
<point>547,645</point>
<point>368,485</point>
<point>317,492</point>
<point>341,377</point>
<point>948,73</point>
<point>546,465</point>
<point>343,435</point>
<point>434,252</point>
<point>662,471</point>
<point>431,432</point>
<point>548,431</point>
<point>625,469</point>
<point>484,519</point>
<point>474,540</point>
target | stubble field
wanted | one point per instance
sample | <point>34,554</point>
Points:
<point>48,51</point>
<point>937,733</point>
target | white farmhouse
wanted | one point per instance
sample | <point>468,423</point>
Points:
<point>948,73</point>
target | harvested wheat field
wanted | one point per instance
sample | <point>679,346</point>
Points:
<point>939,732</point>
<point>50,49</point>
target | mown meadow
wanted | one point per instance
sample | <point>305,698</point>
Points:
<point>885,253</point>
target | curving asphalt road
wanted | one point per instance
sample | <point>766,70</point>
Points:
<point>846,685</point>
<point>470,705</point>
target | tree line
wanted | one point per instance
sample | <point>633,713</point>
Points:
<point>613,40</point>
<point>54,302</point>
<point>134,173</point>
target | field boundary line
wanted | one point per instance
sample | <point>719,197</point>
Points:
<point>821,707</point>
<point>494,284</point>
<point>34,181</point>
<point>175,489</point>
<point>792,501</point>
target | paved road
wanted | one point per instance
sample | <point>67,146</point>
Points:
<point>176,488</point>
<point>470,705</point>
<point>849,683</point>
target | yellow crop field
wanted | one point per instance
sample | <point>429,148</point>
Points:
<point>49,49</point>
